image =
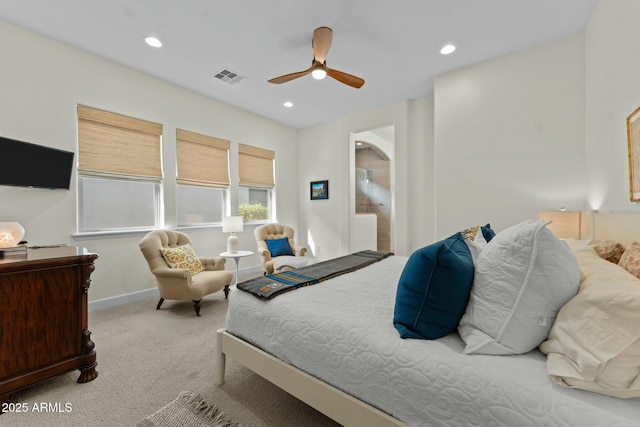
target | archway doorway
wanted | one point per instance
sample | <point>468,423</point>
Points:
<point>372,195</point>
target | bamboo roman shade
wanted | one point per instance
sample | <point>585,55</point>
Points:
<point>114,145</point>
<point>202,160</point>
<point>256,166</point>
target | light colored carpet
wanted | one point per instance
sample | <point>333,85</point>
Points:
<point>145,359</point>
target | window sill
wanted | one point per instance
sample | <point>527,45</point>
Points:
<point>110,234</point>
<point>142,231</point>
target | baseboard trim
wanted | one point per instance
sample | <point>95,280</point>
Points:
<point>110,302</point>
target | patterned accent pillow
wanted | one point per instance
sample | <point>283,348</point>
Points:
<point>608,249</point>
<point>182,257</point>
<point>630,259</point>
<point>470,233</point>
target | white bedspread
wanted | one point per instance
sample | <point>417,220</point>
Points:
<point>341,331</point>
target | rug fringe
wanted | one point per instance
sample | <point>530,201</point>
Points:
<point>191,406</point>
<point>206,409</point>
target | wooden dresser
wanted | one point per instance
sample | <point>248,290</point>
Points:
<point>43,317</point>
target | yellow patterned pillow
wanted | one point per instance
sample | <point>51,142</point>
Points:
<point>470,233</point>
<point>182,257</point>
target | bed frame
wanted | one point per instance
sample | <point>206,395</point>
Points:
<point>334,403</point>
<point>340,406</point>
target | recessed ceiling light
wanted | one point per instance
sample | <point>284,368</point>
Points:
<point>288,104</point>
<point>446,50</point>
<point>152,41</point>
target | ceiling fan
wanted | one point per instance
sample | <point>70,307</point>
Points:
<point>321,44</point>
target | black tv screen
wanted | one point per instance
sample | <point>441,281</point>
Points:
<point>30,165</point>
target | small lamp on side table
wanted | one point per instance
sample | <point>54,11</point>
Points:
<point>233,225</point>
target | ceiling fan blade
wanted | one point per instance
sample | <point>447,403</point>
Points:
<point>345,78</point>
<point>289,77</point>
<point>321,43</point>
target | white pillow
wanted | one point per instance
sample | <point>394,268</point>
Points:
<point>522,278</point>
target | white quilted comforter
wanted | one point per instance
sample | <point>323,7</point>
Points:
<point>341,331</point>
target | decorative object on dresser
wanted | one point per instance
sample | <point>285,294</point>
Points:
<point>233,225</point>
<point>11,233</point>
<point>44,317</point>
<point>179,272</point>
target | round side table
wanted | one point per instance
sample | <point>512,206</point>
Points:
<point>236,256</point>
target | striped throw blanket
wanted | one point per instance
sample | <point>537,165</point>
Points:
<point>271,285</point>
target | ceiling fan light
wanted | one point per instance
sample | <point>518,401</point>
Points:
<point>319,73</point>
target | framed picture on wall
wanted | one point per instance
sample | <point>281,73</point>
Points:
<point>319,190</point>
<point>633,137</point>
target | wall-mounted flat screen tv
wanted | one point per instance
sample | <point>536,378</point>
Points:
<point>30,165</point>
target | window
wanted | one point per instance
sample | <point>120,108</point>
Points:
<point>255,203</point>
<point>203,178</point>
<point>200,205</point>
<point>111,204</point>
<point>256,183</point>
<point>119,172</point>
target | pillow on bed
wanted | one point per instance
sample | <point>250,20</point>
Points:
<point>477,241</point>
<point>471,232</point>
<point>433,289</point>
<point>595,341</point>
<point>630,259</point>
<point>522,278</point>
<point>608,249</point>
<point>279,247</point>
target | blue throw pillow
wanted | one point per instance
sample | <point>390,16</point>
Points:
<point>279,247</point>
<point>433,289</point>
<point>487,232</point>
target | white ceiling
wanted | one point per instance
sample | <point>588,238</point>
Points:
<point>393,45</point>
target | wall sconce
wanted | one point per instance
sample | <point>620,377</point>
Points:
<point>233,225</point>
<point>11,233</point>
<point>568,224</point>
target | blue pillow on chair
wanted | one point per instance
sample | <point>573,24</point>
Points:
<point>434,289</point>
<point>279,247</point>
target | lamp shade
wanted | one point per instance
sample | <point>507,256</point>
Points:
<point>568,224</point>
<point>232,224</point>
<point>10,234</point>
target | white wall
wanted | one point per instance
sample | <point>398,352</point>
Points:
<point>325,154</point>
<point>41,83</point>
<point>613,93</point>
<point>421,171</point>
<point>509,137</point>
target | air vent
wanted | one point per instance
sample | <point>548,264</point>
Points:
<point>228,76</point>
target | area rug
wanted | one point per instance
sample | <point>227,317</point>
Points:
<point>188,409</point>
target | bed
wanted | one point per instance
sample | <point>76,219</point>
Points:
<point>333,346</point>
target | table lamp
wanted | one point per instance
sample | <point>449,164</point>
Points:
<point>11,233</point>
<point>233,225</point>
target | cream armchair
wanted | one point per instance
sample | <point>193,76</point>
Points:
<point>180,283</point>
<point>273,232</point>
